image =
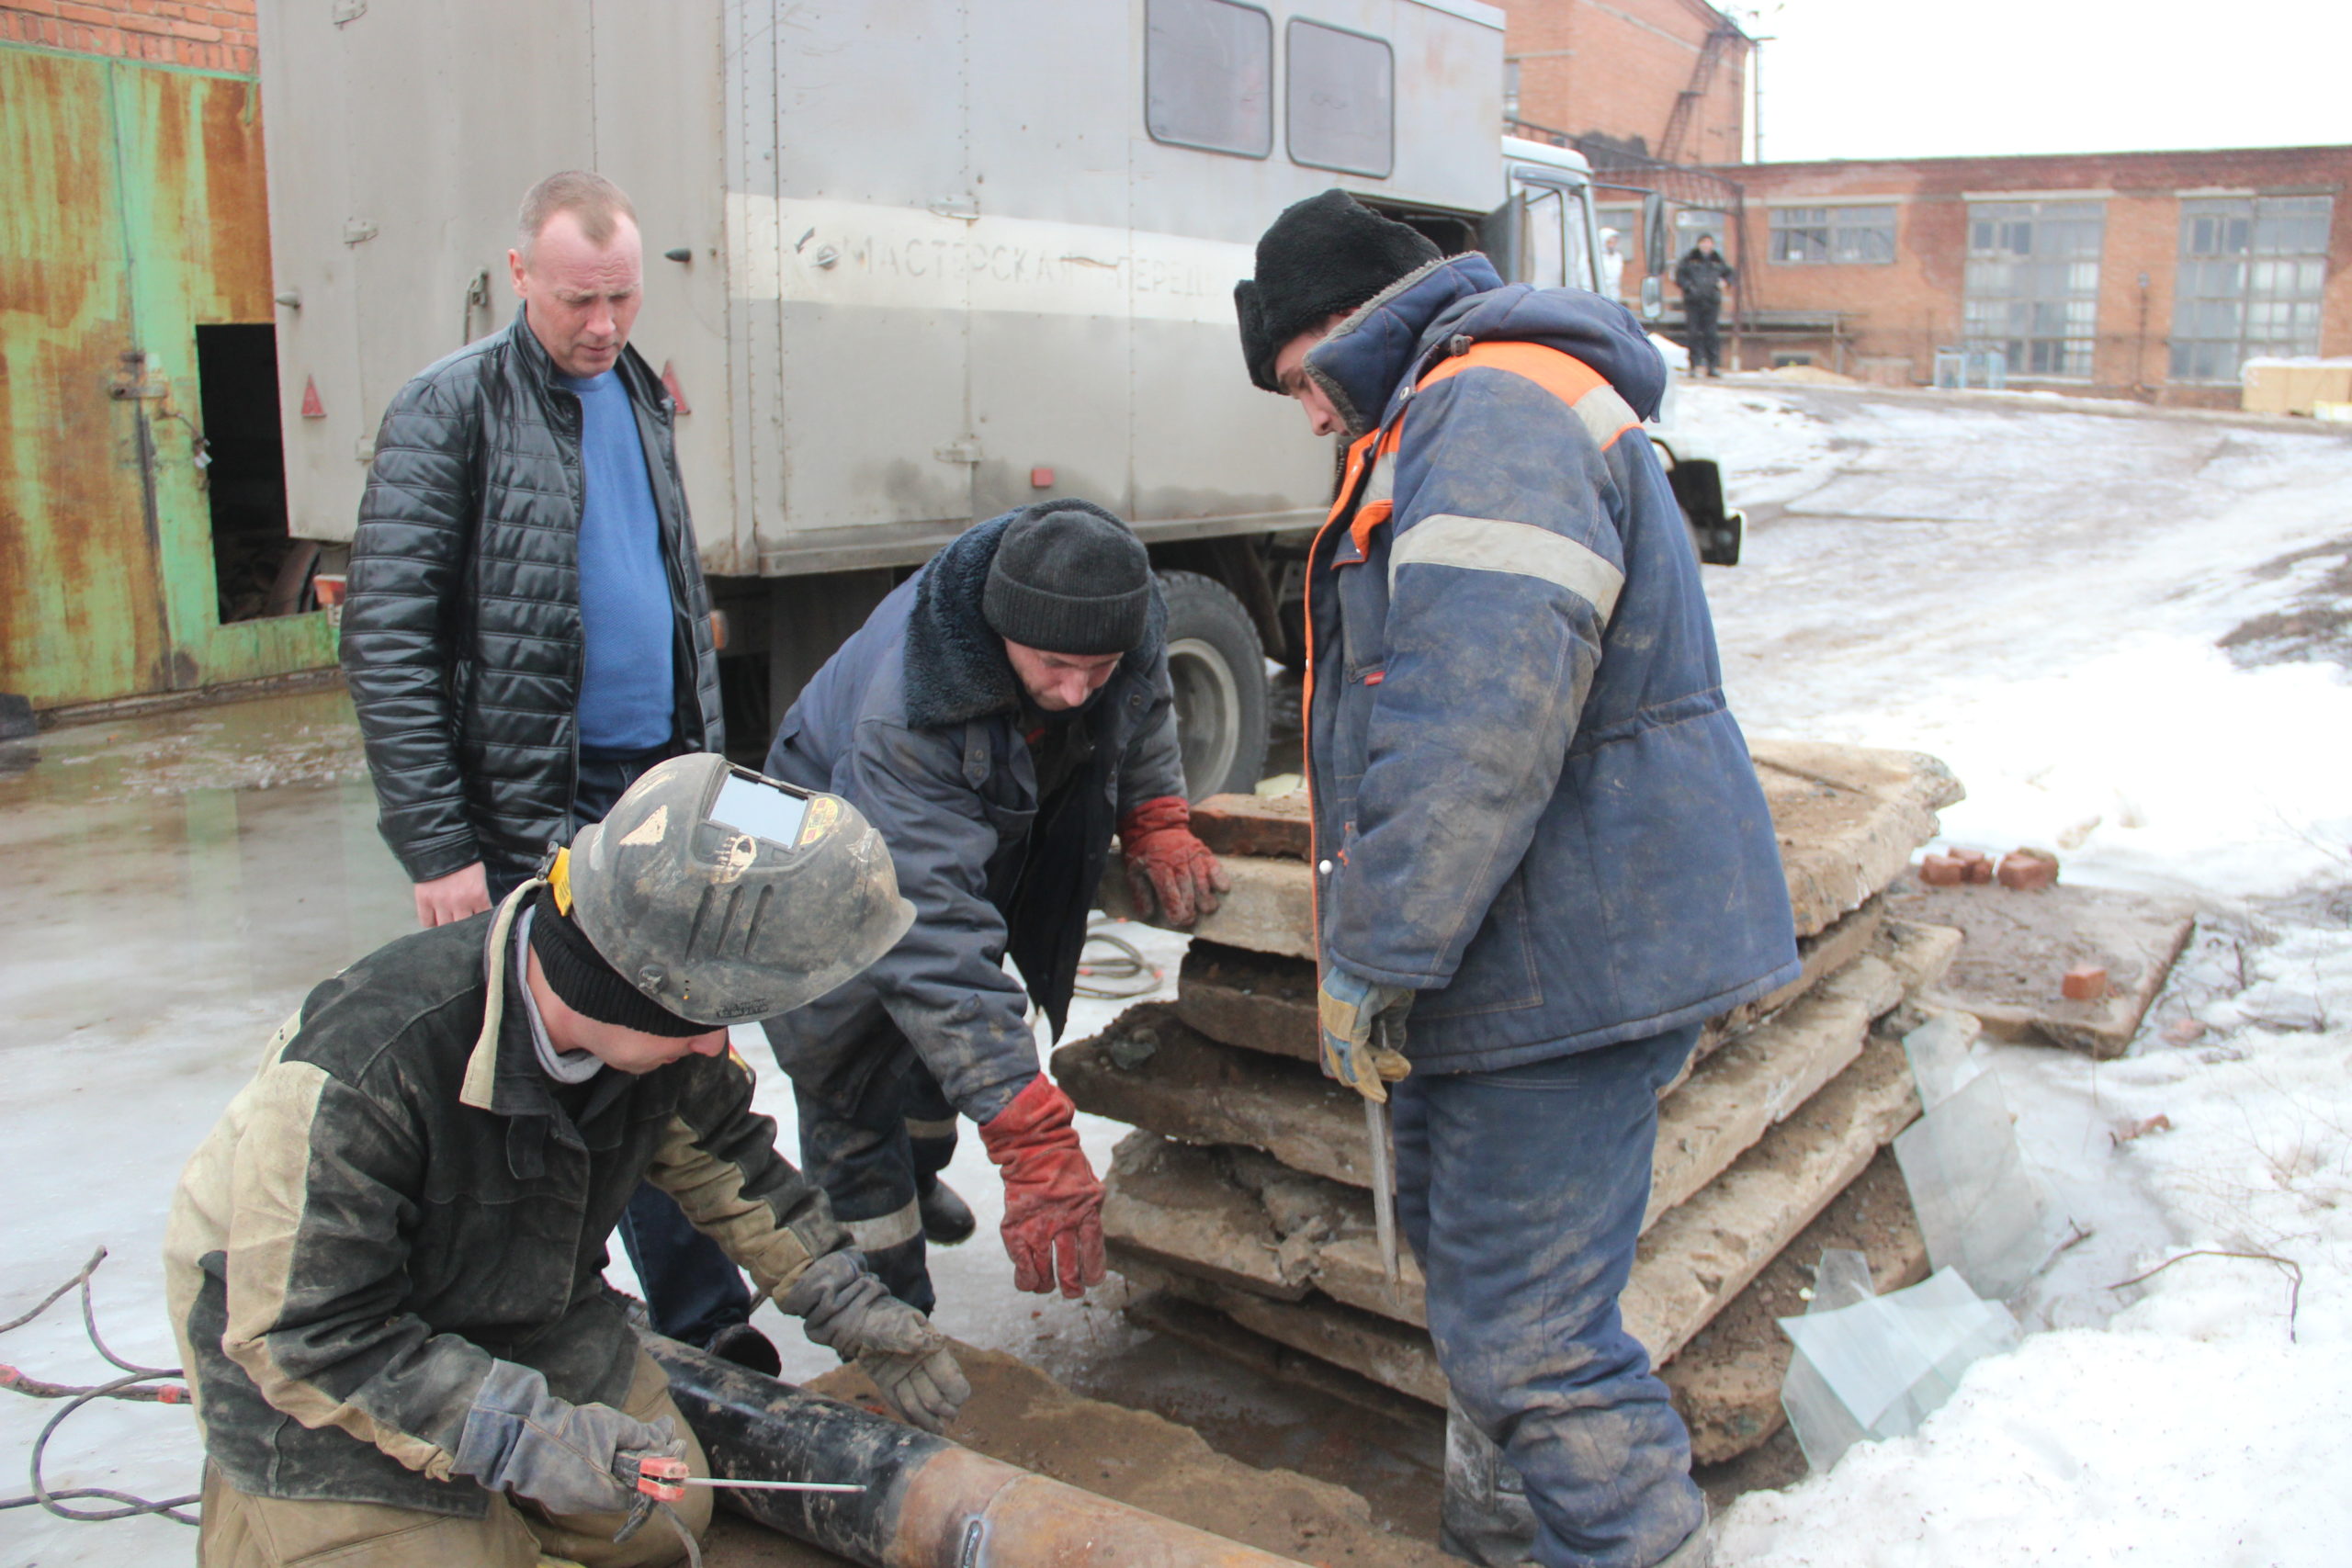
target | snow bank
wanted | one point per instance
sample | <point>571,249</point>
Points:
<point>2058,650</point>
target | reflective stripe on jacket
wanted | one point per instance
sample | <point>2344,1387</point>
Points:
<point>1531,803</point>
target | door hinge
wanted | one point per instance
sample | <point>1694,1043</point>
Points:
<point>347,11</point>
<point>355,230</point>
<point>966,450</point>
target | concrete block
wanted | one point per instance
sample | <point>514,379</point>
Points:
<point>1261,1002</point>
<point>1193,1211</point>
<point>1187,1086</point>
<point>1253,1001</point>
<point>1760,1078</point>
<point>1727,1379</point>
<point>1765,1213</point>
<point>1270,907</point>
<point>1848,818</point>
<point>1392,1354</point>
<point>2016,945</point>
<point>1274,825</point>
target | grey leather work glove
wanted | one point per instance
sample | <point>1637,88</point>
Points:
<point>567,1457</point>
<point>844,1307</point>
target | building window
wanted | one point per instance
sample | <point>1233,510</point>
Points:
<point>1208,76</point>
<point>2251,272</point>
<point>1341,100</point>
<point>2032,289</point>
<point>1690,222</point>
<point>1802,235</point>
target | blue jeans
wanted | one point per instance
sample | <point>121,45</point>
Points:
<point>1521,1192</point>
<point>692,1289</point>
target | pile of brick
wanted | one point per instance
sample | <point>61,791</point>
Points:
<point>1243,1201</point>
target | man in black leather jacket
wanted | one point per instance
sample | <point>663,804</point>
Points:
<point>528,629</point>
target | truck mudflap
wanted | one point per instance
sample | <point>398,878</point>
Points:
<point>1716,530</point>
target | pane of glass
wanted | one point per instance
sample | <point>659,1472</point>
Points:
<point>1342,101</point>
<point>760,808</point>
<point>1547,258</point>
<point>1208,75</point>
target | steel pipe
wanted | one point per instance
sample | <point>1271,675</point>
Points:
<point>928,1503</point>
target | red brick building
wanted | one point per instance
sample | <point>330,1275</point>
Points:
<point>209,35</point>
<point>1667,79</point>
<point>2146,275</point>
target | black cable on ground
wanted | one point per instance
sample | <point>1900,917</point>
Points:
<point>128,1506</point>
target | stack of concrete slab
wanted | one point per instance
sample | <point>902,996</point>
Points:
<point>1245,1189</point>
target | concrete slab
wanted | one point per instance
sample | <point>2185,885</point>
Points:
<point>1275,825</point>
<point>1019,1414</point>
<point>1727,1380</point>
<point>1259,1001</point>
<point>1177,1082</point>
<point>2020,943</point>
<point>1848,817</point>
<point>1221,1216</point>
<point>1253,1001</point>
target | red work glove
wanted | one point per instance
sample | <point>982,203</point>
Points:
<point>1170,874</point>
<point>1052,1205</point>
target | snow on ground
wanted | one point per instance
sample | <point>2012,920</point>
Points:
<point>2036,596</point>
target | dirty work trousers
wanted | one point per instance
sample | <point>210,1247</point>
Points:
<point>692,1291</point>
<point>242,1531</point>
<point>877,1155</point>
<point>1521,1192</point>
<point>1700,312</point>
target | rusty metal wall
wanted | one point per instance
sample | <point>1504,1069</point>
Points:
<point>131,210</point>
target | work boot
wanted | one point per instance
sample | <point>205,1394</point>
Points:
<point>1698,1548</point>
<point>750,1349</point>
<point>946,1218</point>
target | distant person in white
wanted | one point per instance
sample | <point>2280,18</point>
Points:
<point>1612,264</point>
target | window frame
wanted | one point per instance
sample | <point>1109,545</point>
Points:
<point>1274,77</point>
<point>1835,231</point>
<point>1289,79</point>
<point>2067,318</point>
<point>2272,284</point>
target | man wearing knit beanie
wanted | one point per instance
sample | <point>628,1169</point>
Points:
<point>999,717</point>
<point>383,1265</point>
<point>1536,828</point>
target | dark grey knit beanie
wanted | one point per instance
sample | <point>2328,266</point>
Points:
<point>1069,581</point>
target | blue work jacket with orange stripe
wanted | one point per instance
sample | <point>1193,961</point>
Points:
<point>1531,805</point>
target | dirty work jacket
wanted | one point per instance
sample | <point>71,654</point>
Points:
<point>916,721</point>
<point>396,1198</point>
<point>1531,804</point>
<point>461,634</point>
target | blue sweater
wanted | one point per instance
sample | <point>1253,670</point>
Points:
<point>626,699</point>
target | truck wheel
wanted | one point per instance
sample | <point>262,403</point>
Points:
<point>1218,673</point>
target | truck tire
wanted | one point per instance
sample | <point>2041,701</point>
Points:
<point>1218,673</point>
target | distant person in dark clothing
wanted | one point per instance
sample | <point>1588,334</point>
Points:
<point>1704,278</point>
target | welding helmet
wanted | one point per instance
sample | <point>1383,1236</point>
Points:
<point>725,896</point>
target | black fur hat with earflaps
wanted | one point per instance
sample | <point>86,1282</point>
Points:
<point>1322,257</point>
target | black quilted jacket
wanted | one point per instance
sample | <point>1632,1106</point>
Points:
<point>461,633</point>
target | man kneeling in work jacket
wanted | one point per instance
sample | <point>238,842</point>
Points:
<point>1536,825</point>
<point>385,1264</point>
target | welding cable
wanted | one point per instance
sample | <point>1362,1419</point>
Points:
<point>131,1506</point>
<point>1126,963</point>
<point>129,1386</point>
